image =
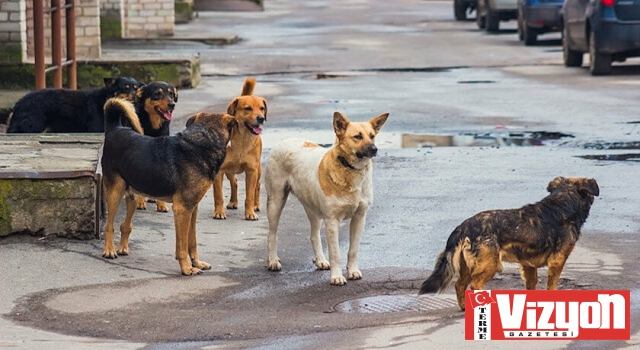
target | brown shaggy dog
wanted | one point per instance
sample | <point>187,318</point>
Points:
<point>536,235</point>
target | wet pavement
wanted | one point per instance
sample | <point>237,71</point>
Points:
<point>363,58</point>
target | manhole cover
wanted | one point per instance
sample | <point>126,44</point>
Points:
<point>395,303</point>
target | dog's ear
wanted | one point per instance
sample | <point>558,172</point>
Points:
<point>231,108</point>
<point>340,123</point>
<point>139,94</point>
<point>555,183</point>
<point>108,82</point>
<point>193,119</point>
<point>378,122</point>
<point>264,102</point>
<point>590,186</point>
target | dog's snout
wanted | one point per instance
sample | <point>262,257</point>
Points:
<point>372,150</point>
<point>172,105</point>
<point>260,119</point>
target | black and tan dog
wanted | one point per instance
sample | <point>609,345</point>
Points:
<point>536,235</point>
<point>243,154</point>
<point>178,169</point>
<point>68,111</point>
<point>154,105</point>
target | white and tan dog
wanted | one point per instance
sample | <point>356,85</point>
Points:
<point>332,185</point>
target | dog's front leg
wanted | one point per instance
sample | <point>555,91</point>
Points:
<point>250,203</point>
<point>193,244</point>
<point>182,218</point>
<point>355,232</point>
<point>556,264</point>
<point>333,245</point>
<point>218,199</point>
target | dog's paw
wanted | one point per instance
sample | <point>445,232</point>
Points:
<point>338,281</point>
<point>122,251</point>
<point>110,254</point>
<point>251,216</point>
<point>151,200</point>
<point>322,264</point>
<point>232,205</point>
<point>219,215</point>
<point>256,208</point>
<point>355,274</point>
<point>202,265</point>
<point>162,207</point>
<point>274,265</point>
<point>190,271</point>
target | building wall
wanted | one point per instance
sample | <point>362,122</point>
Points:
<point>148,19</point>
<point>13,30</point>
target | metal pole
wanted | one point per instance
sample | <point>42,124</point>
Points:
<point>56,42</point>
<point>72,78</point>
<point>38,43</point>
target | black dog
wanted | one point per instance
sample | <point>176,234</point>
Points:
<point>68,111</point>
<point>178,169</point>
<point>154,104</point>
<point>536,235</point>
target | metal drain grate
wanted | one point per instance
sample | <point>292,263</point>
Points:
<point>395,303</point>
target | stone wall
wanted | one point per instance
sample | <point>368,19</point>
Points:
<point>148,19</point>
<point>88,43</point>
<point>13,30</point>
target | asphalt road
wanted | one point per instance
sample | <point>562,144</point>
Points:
<point>363,58</point>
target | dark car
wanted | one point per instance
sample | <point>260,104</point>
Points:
<point>537,17</point>
<point>462,7</point>
<point>609,30</point>
<point>490,13</point>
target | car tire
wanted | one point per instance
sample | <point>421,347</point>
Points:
<point>459,10</point>
<point>530,35</point>
<point>493,21</point>
<point>571,58</point>
<point>480,19</point>
<point>520,22</point>
<point>599,63</point>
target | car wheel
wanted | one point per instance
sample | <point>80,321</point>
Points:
<point>530,35</point>
<point>459,10</point>
<point>480,19</point>
<point>493,21</point>
<point>571,58</point>
<point>520,31</point>
<point>599,63</point>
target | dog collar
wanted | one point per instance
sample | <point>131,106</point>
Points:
<point>344,162</point>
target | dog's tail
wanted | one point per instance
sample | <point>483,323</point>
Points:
<point>249,85</point>
<point>117,108</point>
<point>447,266</point>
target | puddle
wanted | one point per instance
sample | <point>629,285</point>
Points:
<point>476,81</point>
<point>497,139</point>
<point>612,145</point>
<point>630,157</point>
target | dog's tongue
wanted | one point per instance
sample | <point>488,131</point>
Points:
<point>257,129</point>
<point>167,115</point>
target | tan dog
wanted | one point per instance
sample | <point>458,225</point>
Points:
<point>332,185</point>
<point>243,154</point>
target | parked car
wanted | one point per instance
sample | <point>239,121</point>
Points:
<point>537,17</point>
<point>462,7</point>
<point>609,30</point>
<point>489,13</point>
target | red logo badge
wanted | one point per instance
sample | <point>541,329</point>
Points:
<point>547,314</point>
